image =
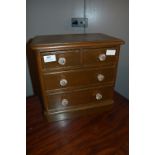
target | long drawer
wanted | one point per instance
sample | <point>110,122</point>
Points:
<point>77,78</point>
<point>74,98</point>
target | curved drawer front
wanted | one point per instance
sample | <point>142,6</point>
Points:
<point>100,56</point>
<point>79,98</point>
<point>78,78</point>
<point>60,59</point>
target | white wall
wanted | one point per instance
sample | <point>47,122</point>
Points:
<point>52,16</point>
<point>112,17</point>
<point>105,16</point>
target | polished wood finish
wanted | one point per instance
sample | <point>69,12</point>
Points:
<point>100,134</point>
<point>80,97</point>
<point>90,56</point>
<point>72,59</point>
<point>73,40</point>
<point>81,76</point>
<point>78,78</point>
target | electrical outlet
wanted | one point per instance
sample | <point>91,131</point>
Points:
<point>79,22</point>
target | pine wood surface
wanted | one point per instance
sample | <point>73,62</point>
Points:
<point>99,134</point>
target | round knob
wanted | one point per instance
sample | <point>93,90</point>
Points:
<point>98,96</point>
<point>63,82</point>
<point>64,102</point>
<point>62,61</point>
<point>102,57</point>
<point>100,77</point>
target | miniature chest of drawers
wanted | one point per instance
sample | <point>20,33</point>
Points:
<point>73,74</point>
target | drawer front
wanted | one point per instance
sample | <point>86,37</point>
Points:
<point>78,78</point>
<point>79,98</point>
<point>60,59</point>
<point>100,56</point>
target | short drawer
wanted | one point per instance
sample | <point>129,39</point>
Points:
<point>100,56</point>
<point>60,59</point>
<point>77,78</point>
<point>80,97</point>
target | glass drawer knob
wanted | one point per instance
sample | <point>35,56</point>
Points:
<point>62,61</point>
<point>100,77</point>
<point>63,82</point>
<point>102,57</point>
<point>98,96</point>
<point>64,102</point>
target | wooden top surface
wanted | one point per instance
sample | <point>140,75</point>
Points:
<point>51,40</point>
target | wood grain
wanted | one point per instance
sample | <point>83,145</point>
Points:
<point>80,98</point>
<point>78,78</point>
<point>72,59</point>
<point>84,58</point>
<point>44,42</point>
<point>101,134</point>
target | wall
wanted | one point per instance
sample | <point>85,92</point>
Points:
<point>105,16</point>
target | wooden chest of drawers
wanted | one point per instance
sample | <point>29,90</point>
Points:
<point>73,74</point>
